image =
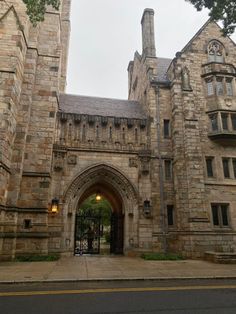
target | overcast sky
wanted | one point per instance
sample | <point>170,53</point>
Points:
<point>106,33</point>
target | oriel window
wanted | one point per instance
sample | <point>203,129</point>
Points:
<point>234,167</point>
<point>219,86</point>
<point>210,87</point>
<point>224,119</point>
<point>229,87</point>
<point>233,120</point>
<point>214,122</point>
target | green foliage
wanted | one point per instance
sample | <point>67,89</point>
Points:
<point>38,258</point>
<point>161,257</point>
<point>36,9</point>
<point>102,208</point>
<point>107,235</point>
<point>220,10</point>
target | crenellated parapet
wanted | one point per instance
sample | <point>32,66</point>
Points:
<point>81,131</point>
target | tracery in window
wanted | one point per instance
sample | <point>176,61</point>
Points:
<point>215,52</point>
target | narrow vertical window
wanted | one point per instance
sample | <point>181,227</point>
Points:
<point>233,120</point>
<point>166,128</point>
<point>209,167</point>
<point>224,119</point>
<point>136,135</point>
<point>224,214</point>
<point>234,167</point>
<point>168,169</point>
<point>123,134</point>
<point>97,131</point>
<point>210,87</point>
<point>219,86</point>
<point>214,122</point>
<point>110,133</point>
<point>83,132</point>
<point>215,217</point>
<point>170,215</point>
<point>229,87</point>
<point>225,162</point>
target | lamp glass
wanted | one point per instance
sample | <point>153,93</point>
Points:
<point>98,197</point>
<point>54,208</point>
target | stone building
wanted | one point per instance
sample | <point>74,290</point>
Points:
<point>165,158</point>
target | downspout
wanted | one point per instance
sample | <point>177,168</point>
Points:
<point>161,173</point>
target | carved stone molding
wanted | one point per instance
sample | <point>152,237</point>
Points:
<point>72,159</point>
<point>58,161</point>
<point>105,173</point>
<point>145,165</point>
<point>133,162</point>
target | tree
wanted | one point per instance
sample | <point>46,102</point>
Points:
<point>36,9</point>
<point>220,10</point>
<point>102,208</point>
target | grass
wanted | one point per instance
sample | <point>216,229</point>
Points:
<point>38,258</point>
<point>161,257</point>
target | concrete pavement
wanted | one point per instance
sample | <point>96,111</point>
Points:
<point>83,268</point>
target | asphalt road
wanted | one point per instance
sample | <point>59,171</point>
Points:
<point>179,297</point>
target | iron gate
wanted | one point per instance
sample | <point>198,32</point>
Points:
<point>87,233</point>
<point>117,233</point>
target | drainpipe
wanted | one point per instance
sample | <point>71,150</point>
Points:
<point>161,173</point>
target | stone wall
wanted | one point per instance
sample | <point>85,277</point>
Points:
<point>32,70</point>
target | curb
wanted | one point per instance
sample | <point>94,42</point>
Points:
<point>12,282</point>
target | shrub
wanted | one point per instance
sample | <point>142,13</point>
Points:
<point>37,258</point>
<point>161,257</point>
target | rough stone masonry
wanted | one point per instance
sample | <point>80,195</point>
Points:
<point>165,158</point>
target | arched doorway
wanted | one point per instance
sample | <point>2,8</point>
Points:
<point>121,194</point>
<point>99,221</point>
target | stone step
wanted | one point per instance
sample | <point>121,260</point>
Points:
<point>221,257</point>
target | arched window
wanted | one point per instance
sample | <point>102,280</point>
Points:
<point>215,52</point>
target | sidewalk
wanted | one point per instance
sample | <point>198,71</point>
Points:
<point>83,268</point>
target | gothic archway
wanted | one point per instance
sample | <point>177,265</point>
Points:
<point>116,187</point>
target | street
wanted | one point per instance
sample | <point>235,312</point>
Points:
<point>124,297</point>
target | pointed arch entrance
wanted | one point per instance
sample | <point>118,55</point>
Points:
<point>121,194</point>
<point>89,222</point>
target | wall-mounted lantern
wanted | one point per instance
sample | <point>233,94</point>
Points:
<point>147,208</point>
<point>55,206</point>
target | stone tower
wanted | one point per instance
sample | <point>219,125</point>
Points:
<point>33,73</point>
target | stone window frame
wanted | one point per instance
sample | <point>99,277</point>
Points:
<point>212,165</point>
<point>166,129</point>
<point>170,209</point>
<point>217,124</point>
<point>214,121</point>
<point>231,168</point>
<point>136,135</point>
<point>226,167</point>
<point>218,50</point>
<point>168,169</point>
<point>220,215</point>
<point>110,133</point>
<point>212,84</point>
